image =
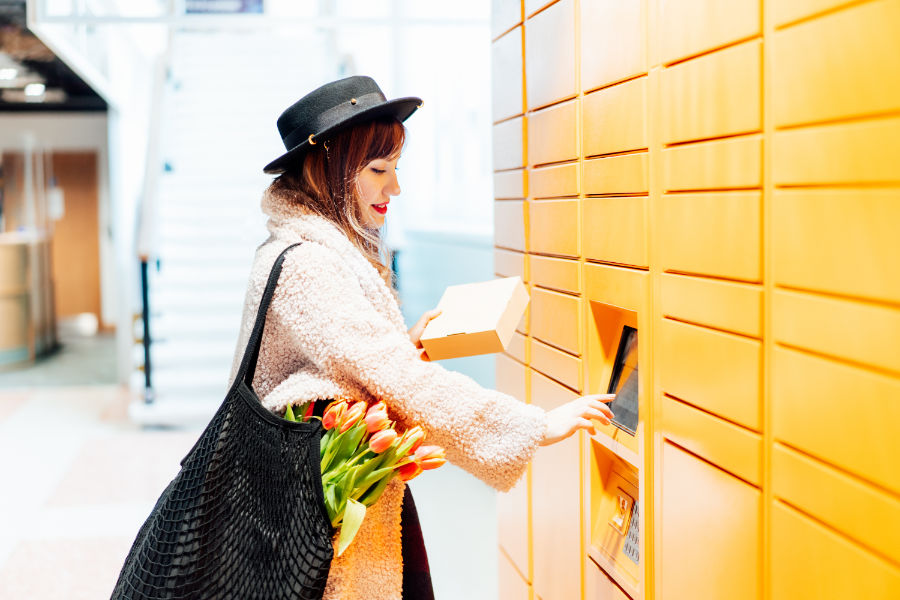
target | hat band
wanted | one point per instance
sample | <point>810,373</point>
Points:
<point>333,116</point>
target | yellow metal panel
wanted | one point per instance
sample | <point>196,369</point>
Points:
<point>710,538</point>
<point>785,12</point>
<point>810,561</point>
<point>625,288</point>
<point>505,14</point>
<point>718,234</point>
<point>715,95</point>
<point>716,371</point>
<point>837,65</point>
<point>509,264</point>
<point>731,163</point>
<point>555,319</point>
<point>694,26</point>
<point>724,305</point>
<point>557,273</point>
<point>556,504</point>
<point>731,447</point>
<point>550,182</point>
<point>506,76</point>
<point>811,397</point>
<point>862,152</point>
<point>513,526</point>
<point>517,347</point>
<point>552,134</point>
<point>510,583</point>
<point>554,227</point>
<point>561,366</point>
<point>550,55</point>
<point>612,42</point>
<point>598,585</point>
<point>509,152</point>
<point>840,241</point>
<point>626,174</point>
<point>615,119</point>
<point>861,512</point>
<point>509,184</point>
<point>509,224</point>
<point>615,230</point>
<point>856,331</point>
<point>510,377</point>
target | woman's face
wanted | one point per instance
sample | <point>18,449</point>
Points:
<point>376,184</point>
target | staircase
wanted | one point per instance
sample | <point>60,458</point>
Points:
<point>223,95</point>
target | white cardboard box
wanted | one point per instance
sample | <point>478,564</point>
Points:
<point>477,318</point>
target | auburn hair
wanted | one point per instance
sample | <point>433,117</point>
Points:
<point>326,183</point>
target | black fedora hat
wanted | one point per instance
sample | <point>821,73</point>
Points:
<point>330,108</point>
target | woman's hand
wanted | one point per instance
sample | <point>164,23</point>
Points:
<point>415,333</point>
<point>565,420</point>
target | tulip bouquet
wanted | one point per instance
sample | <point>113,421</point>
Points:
<point>360,453</point>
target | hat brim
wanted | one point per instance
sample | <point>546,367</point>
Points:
<point>401,108</point>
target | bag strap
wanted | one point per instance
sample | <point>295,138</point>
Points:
<point>251,352</point>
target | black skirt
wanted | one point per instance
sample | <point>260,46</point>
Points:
<point>416,574</point>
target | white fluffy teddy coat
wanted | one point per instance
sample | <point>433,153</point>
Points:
<point>334,329</point>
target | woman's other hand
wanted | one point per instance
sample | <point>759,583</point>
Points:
<point>415,333</point>
<point>565,420</point>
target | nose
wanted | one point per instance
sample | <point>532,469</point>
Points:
<point>393,186</point>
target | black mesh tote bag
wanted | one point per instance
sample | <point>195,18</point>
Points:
<point>245,517</point>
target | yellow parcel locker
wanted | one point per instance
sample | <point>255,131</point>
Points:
<point>506,76</point>
<point>556,273</point>
<point>817,79</point>
<point>509,152</point>
<point>553,134</point>
<point>811,398</point>
<point>720,164</point>
<point>694,26</point>
<point>615,230</point>
<point>509,264</point>
<point>710,538</point>
<point>509,224</point>
<point>553,182</point>
<point>555,319</point>
<point>550,55</point>
<point>556,503</point>
<point>553,227</point>
<point>714,95</point>
<point>613,49</point>
<point>509,185</point>
<point>812,561</point>
<point>620,174</point>
<point>615,118</point>
<point>718,372</point>
<point>838,241</point>
<point>712,233</point>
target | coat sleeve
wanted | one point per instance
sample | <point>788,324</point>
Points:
<point>326,315</point>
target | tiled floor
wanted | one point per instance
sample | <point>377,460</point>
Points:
<point>78,479</point>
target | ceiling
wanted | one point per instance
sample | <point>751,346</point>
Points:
<point>26,64</point>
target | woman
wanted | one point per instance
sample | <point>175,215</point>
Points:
<point>334,327</point>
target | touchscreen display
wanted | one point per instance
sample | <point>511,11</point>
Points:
<point>624,382</point>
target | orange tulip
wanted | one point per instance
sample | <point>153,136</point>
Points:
<point>377,417</point>
<point>409,471</point>
<point>414,437</point>
<point>334,413</point>
<point>382,440</point>
<point>430,457</point>
<point>354,414</point>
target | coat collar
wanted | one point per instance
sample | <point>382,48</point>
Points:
<point>290,221</point>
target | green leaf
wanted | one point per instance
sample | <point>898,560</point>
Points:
<point>372,496</point>
<point>353,518</point>
<point>289,414</point>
